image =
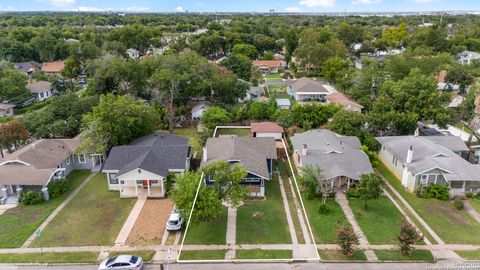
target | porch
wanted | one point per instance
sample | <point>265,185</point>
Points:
<point>142,188</point>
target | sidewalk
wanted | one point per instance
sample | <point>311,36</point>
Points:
<point>130,222</point>
<point>291,227</point>
<point>231,237</point>
<point>471,211</point>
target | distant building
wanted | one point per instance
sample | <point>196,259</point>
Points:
<point>467,57</point>
<point>269,66</point>
<point>197,110</point>
<point>347,103</point>
<point>28,68</point>
<point>53,68</point>
<point>6,109</point>
<point>132,53</point>
<point>306,89</point>
<point>41,89</point>
<point>283,103</point>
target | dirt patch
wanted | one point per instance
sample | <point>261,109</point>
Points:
<point>150,224</point>
<point>447,210</point>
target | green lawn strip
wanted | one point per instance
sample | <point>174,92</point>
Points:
<point>147,255</point>
<point>271,227</point>
<point>263,254</point>
<point>452,225</point>
<point>336,255</point>
<point>324,227</point>
<point>203,255</point>
<point>396,255</point>
<point>469,254</point>
<point>17,224</point>
<point>51,257</point>
<point>273,76</point>
<point>277,88</point>
<point>380,222</point>
<point>193,139</point>
<point>208,232</point>
<point>475,204</point>
<point>95,216</point>
<point>240,132</point>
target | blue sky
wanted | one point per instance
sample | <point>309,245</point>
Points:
<point>239,5</point>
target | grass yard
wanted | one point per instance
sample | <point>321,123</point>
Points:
<point>336,255</point>
<point>277,88</point>
<point>324,227</point>
<point>52,257</point>
<point>240,132</point>
<point>452,225</point>
<point>17,224</point>
<point>396,255</point>
<point>272,76</point>
<point>94,217</point>
<point>147,255</point>
<point>475,204</point>
<point>380,222</point>
<point>271,227</point>
<point>193,139</point>
<point>263,254</point>
<point>469,254</point>
<point>208,232</point>
<point>203,255</point>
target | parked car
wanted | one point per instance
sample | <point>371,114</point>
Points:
<point>175,221</point>
<point>123,262</point>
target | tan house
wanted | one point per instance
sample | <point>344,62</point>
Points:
<point>53,68</point>
<point>269,66</point>
<point>343,100</point>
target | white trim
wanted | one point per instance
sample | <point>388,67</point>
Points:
<point>215,132</point>
<point>67,160</point>
<point>433,168</point>
<point>14,161</point>
<point>84,158</point>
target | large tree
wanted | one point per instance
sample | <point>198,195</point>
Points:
<point>215,116</point>
<point>370,187</point>
<point>11,133</point>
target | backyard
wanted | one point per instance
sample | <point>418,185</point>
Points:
<point>93,217</point>
<point>240,132</point>
<point>17,224</point>
<point>208,232</point>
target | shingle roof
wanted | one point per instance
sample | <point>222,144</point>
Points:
<point>26,66</point>
<point>335,154</point>
<point>53,67</point>
<point>340,98</point>
<point>266,127</point>
<point>40,86</point>
<point>305,84</point>
<point>267,63</point>
<point>252,153</point>
<point>201,105</point>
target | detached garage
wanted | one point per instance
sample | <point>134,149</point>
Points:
<point>266,129</point>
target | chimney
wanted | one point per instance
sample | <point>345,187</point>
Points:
<point>417,132</point>
<point>205,156</point>
<point>410,155</point>
<point>304,151</point>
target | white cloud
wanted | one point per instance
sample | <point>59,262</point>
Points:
<point>425,1</point>
<point>366,2</point>
<point>136,9</point>
<point>317,3</point>
<point>6,8</point>
<point>179,9</point>
<point>87,9</point>
<point>59,3</point>
<point>293,9</point>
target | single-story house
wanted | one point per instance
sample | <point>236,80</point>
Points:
<point>269,66</point>
<point>29,68</point>
<point>454,131</point>
<point>133,53</point>
<point>442,85</point>
<point>53,68</point>
<point>278,56</point>
<point>456,101</point>
<point>6,109</point>
<point>35,165</point>
<point>306,89</point>
<point>253,93</point>
<point>197,110</point>
<point>283,103</point>
<point>422,160</point>
<point>266,129</point>
<point>255,154</point>
<point>340,158</point>
<point>141,167</point>
<point>467,57</point>
<point>41,89</point>
<point>347,103</point>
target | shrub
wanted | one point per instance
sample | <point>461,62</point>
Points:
<point>408,236</point>
<point>458,203</point>
<point>437,191</point>
<point>346,239</point>
<point>57,188</point>
<point>470,195</point>
<point>323,209</point>
<point>352,193</point>
<point>169,183</point>
<point>31,197</point>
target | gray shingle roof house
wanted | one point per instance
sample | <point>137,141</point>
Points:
<point>307,89</point>
<point>142,166</point>
<point>28,68</point>
<point>422,160</point>
<point>41,89</point>
<point>197,110</point>
<point>255,154</point>
<point>339,157</point>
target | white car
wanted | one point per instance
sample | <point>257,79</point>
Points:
<point>123,262</point>
<point>175,221</point>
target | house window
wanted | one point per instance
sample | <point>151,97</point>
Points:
<point>154,181</point>
<point>82,158</point>
<point>139,182</point>
<point>41,95</point>
<point>68,160</point>
<point>113,179</point>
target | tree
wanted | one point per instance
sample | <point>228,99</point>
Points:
<point>350,34</point>
<point>348,123</point>
<point>370,187</point>
<point>408,236</point>
<point>346,239</point>
<point>240,65</point>
<point>284,118</point>
<point>11,133</point>
<point>245,49</point>
<point>260,110</point>
<point>313,114</point>
<point>309,182</point>
<point>461,76</point>
<point>334,69</point>
<point>215,116</point>
<point>12,82</point>
<point>396,36</point>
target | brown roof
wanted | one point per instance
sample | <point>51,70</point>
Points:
<point>40,86</point>
<point>305,84</point>
<point>268,63</point>
<point>53,67</point>
<point>339,98</point>
<point>441,76</point>
<point>266,127</point>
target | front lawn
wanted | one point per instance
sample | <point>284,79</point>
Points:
<point>469,254</point>
<point>396,255</point>
<point>380,222</point>
<point>336,255</point>
<point>193,139</point>
<point>94,217</point>
<point>324,227</point>
<point>240,132</point>
<point>208,232</point>
<point>51,257</point>
<point>475,204</point>
<point>264,221</point>
<point>203,255</point>
<point>17,224</point>
<point>451,225</point>
<point>146,255</point>
<point>263,254</point>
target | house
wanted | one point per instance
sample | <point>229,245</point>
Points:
<point>278,56</point>
<point>197,110</point>
<point>266,129</point>
<point>283,103</point>
<point>467,57</point>
<point>35,165</point>
<point>41,89</point>
<point>141,167</point>
<point>358,63</point>
<point>6,109</point>
<point>29,68</point>
<point>456,101</point>
<point>341,99</point>
<point>53,68</point>
<point>133,53</point>
<point>255,154</point>
<point>306,89</point>
<point>340,158</point>
<point>253,93</point>
<point>422,160</point>
<point>269,66</point>
<point>444,86</point>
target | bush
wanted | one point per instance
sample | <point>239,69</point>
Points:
<point>470,195</point>
<point>437,191</point>
<point>323,209</point>
<point>408,237</point>
<point>352,193</point>
<point>346,239</point>
<point>30,197</point>
<point>458,203</point>
<point>57,188</point>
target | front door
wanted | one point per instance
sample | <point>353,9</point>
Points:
<point>145,183</point>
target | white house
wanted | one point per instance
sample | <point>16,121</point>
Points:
<point>197,110</point>
<point>41,89</point>
<point>266,129</point>
<point>467,57</point>
<point>306,89</point>
<point>133,53</point>
<point>269,66</point>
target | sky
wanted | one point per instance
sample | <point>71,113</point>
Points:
<point>239,5</point>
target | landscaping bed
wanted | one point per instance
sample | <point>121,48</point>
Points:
<point>263,254</point>
<point>203,255</point>
<point>336,255</point>
<point>51,257</point>
<point>324,227</point>
<point>208,232</point>
<point>396,255</point>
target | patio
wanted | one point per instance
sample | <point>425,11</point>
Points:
<point>140,191</point>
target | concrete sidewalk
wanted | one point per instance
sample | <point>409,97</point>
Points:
<point>471,211</point>
<point>130,222</point>
<point>291,227</point>
<point>231,237</point>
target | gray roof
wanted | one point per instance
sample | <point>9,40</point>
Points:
<point>157,153</point>
<point>282,101</point>
<point>251,152</point>
<point>40,86</point>
<point>433,152</point>
<point>25,66</point>
<point>255,90</point>
<point>336,155</point>
<point>305,84</point>
<point>201,105</point>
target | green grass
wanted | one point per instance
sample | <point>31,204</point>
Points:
<point>240,132</point>
<point>273,76</point>
<point>380,222</point>
<point>263,254</point>
<point>324,227</point>
<point>396,255</point>
<point>272,226</point>
<point>193,139</point>
<point>452,225</point>
<point>336,255</point>
<point>208,232</point>
<point>52,257</point>
<point>147,255</point>
<point>93,217</point>
<point>475,204</point>
<point>17,224</point>
<point>277,88</point>
<point>469,254</point>
<point>202,255</point>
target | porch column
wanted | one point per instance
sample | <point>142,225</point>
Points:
<point>148,186</point>
<point>120,187</point>
<point>463,187</point>
<point>136,189</point>
<point>93,160</point>
<point>348,182</point>
<point>163,189</point>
